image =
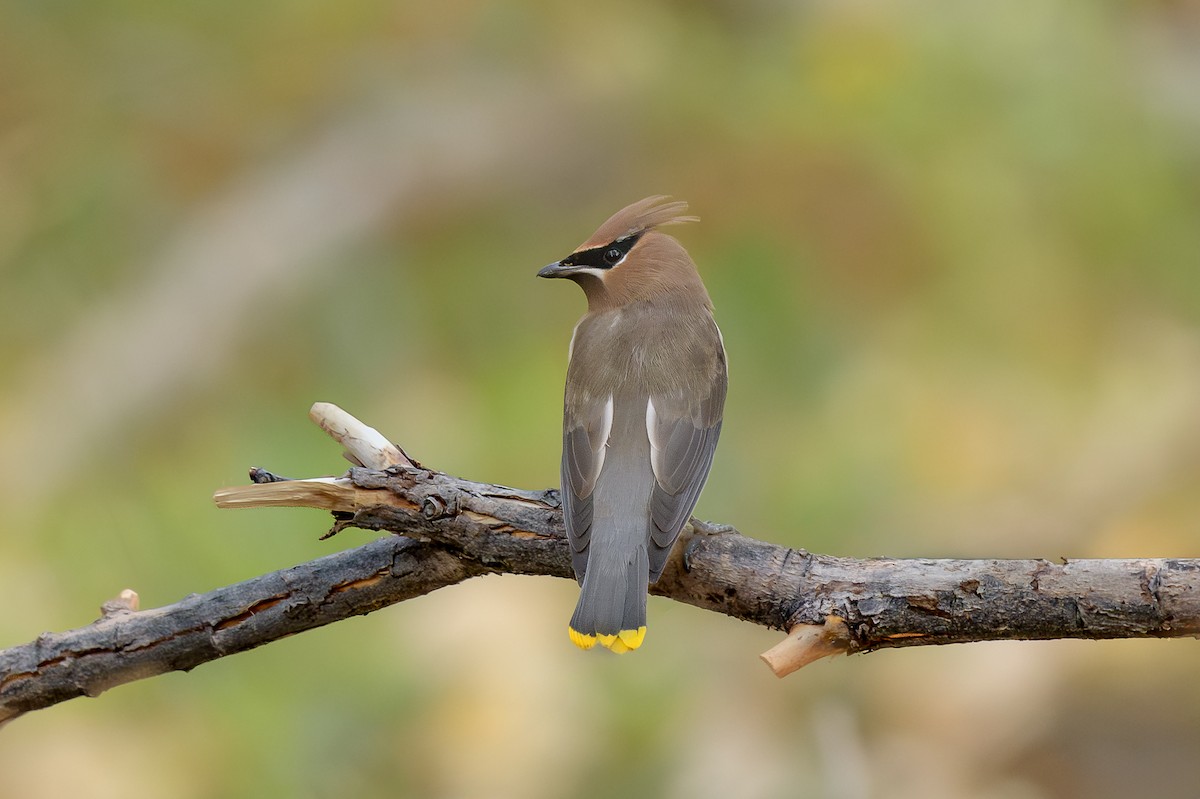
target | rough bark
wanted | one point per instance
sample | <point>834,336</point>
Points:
<point>452,529</point>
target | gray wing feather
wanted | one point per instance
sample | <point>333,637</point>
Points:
<point>683,438</point>
<point>583,456</point>
<point>577,510</point>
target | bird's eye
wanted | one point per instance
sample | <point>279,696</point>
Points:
<point>612,255</point>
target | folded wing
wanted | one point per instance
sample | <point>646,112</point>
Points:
<point>584,440</point>
<point>683,435</point>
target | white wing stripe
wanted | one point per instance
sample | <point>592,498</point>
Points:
<point>600,443</point>
<point>652,433</point>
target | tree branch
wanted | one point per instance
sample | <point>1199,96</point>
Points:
<point>453,529</point>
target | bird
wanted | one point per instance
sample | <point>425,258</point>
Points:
<point>642,411</point>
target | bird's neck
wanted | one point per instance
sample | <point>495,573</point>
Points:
<point>683,291</point>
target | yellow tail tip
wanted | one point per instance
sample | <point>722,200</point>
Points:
<point>632,639</point>
<point>580,639</point>
<point>622,642</point>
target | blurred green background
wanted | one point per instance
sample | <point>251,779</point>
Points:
<point>955,253</point>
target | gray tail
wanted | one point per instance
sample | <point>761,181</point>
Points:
<point>612,601</point>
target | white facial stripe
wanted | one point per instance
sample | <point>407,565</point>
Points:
<point>591,270</point>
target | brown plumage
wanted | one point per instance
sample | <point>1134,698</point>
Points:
<point>641,414</point>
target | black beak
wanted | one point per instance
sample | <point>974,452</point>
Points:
<point>555,269</point>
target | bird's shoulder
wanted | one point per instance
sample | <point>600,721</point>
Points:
<point>657,346</point>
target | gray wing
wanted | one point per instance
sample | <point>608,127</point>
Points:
<point>683,435</point>
<point>584,436</point>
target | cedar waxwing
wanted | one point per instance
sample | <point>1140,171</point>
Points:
<point>641,416</point>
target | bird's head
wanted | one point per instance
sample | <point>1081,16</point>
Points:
<point>627,259</point>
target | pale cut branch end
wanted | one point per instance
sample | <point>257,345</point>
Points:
<point>125,602</point>
<point>806,643</point>
<point>365,446</point>
<point>326,493</point>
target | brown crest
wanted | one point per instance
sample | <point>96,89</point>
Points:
<point>638,218</point>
